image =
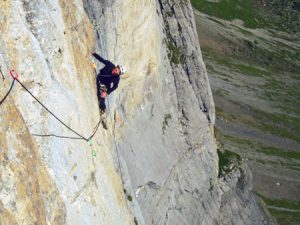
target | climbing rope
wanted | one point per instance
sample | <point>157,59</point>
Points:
<point>57,136</point>
<point>68,137</point>
<point>49,111</point>
<point>80,137</point>
<point>11,87</point>
<point>2,74</point>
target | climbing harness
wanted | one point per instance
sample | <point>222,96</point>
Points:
<point>106,75</point>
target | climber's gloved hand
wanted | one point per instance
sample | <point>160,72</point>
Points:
<point>94,65</point>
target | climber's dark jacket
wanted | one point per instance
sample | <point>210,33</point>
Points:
<point>106,77</point>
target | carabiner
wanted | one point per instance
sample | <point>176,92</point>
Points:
<point>15,77</point>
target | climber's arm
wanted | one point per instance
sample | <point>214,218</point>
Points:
<point>99,58</point>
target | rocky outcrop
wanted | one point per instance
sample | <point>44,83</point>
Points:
<point>156,164</point>
<point>238,203</point>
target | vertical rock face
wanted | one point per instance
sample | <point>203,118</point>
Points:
<point>160,118</point>
<point>163,113</point>
<point>52,180</point>
<point>238,204</point>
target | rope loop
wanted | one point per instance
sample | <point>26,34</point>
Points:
<point>88,140</point>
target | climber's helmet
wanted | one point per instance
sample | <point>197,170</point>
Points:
<point>122,70</point>
<point>119,70</point>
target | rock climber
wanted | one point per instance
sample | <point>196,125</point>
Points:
<point>107,80</point>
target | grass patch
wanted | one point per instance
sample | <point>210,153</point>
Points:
<point>250,70</point>
<point>283,216</point>
<point>228,161</point>
<point>221,93</point>
<point>240,141</point>
<point>245,10</point>
<point>234,64</point>
<point>209,67</point>
<point>284,14</point>
<point>287,95</point>
<point>259,147</point>
<point>281,203</point>
<point>277,14</point>
<point>284,125</point>
<point>175,54</point>
<point>278,123</point>
<point>280,153</point>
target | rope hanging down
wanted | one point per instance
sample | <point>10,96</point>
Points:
<point>2,74</point>
<point>80,137</point>
<point>68,137</point>
<point>11,87</point>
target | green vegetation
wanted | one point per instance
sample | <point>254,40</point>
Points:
<point>283,203</point>
<point>284,158</point>
<point>220,93</point>
<point>240,141</point>
<point>166,121</point>
<point>129,197</point>
<point>247,68</point>
<point>280,153</point>
<point>285,217</point>
<point>228,161</point>
<point>285,15</point>
<point>277,14</point>
<point>286,212</point>
<point>245,10</point>
<point>287,94</point>
<point>280,124</point>
<point>175,53</point>
<point>285,124</point>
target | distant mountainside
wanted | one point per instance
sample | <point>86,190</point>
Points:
<point>276,14</point>
<point>283,14</point>
<point>252,54</point>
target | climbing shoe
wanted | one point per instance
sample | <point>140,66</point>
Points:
<point>102,112</point>
<point>104,122</point>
